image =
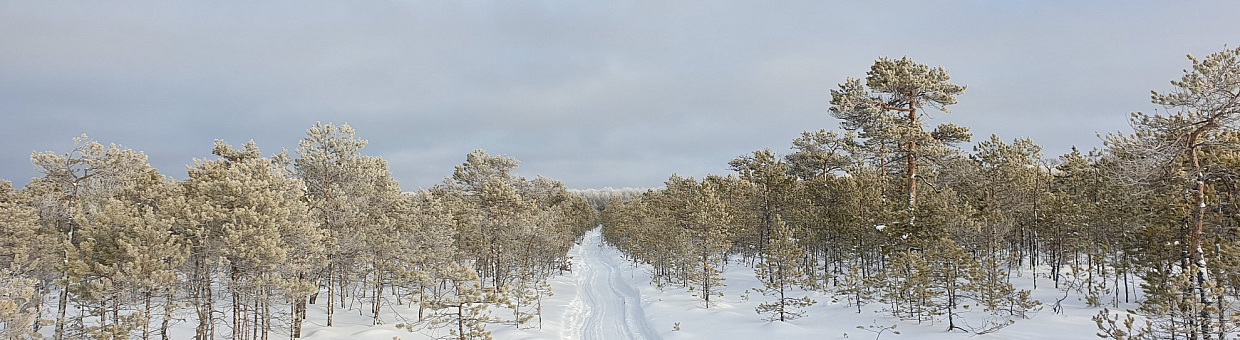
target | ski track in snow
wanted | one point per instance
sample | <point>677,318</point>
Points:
<point>606,307</point>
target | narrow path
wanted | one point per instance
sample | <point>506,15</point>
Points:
<point>606,306</point>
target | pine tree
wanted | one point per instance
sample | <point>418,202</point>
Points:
<point>252,221</point>
<point>337,177</point>
<point>130,247</point>
<point>20,299</point>
<point>821,153</point>
<point>885,110</point>
<point>148,253</point>
<point>783,268</point>
<point>907,287</point>
<point>773,191</point>
<point>1007,195</point>
<point>465,311</point>
<point>429,255</point>
<point>18,305</point>
<point>74,191</point>
<point>856,288</point>
<point>1203,105</point>
<point>709,227</point>
<point>489,209</point>
<point>385,212</point>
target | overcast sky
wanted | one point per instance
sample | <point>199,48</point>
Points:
<point>592,93</point>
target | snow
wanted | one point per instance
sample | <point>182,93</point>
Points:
<point>613,307</point>
<point>734,316</point>
<point>607,297</point>
<point>592,302</point>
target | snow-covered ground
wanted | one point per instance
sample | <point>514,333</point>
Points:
<point>598,300</point>
<point>611,306</point>
<point>734,316</point>
<point>607,297</point>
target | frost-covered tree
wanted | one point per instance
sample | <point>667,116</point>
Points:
<point>72,193</point>
<point>427,254</point>
<point>710,230</point>
<point>516,232</point>
<point>465,312</point>
<point>248,224</point>
<point>337,179</point>
<point>21,253</point>
<point>781,272</point>
<point>245,241</point>
<point>488,212</point>
<point>647,230</point>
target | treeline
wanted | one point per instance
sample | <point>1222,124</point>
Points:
<point>598,198</point>
<point>892,212</point>
<point>245,243</point>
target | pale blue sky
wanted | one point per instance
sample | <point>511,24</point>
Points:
<point>591,93</point>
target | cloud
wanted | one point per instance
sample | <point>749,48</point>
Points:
<point>614,94</point>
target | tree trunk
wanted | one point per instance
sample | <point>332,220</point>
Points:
<point>911,158</point>
<point>202,300</point>
<point>63,304</point>
<point>331,309</point>
<point>254,320</point>
<point>103,315</point>
<point>516,310</point>
<point>298,307</point>
<point>1195,235</point>
<point>342,288</point>
<point>238,330</point>
<point>460,320</point>
<point>146,317</point>
<point>167,317</point>
<point>294,323</point>
<point>782,303</point>
<point>61,307</point>
<point>706,276</point>
<point>376,301</point>
<point>540,320</point>
<point>421,301</point>
<point>299,316</point>
<point>266,313</point>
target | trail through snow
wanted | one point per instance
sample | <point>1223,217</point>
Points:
<point>606,306</point>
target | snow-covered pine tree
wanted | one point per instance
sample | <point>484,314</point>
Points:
<point>781,272</point>
<point>337,177</point>
<point>710,229</point>
<point>385,211</point>
<point>488,210</point>
<point>20,255</point>
<point>430,256</point>
<point>465,311</point>
<point>906,287</point>
<point>255,215</point>
<point>70,195</point>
